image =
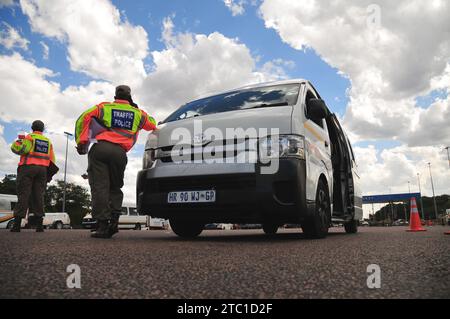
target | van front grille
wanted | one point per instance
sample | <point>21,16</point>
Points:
<point>221,182</point>
<point>215,150</point>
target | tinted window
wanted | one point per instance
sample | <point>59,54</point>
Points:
<point>124,211</point>
<point>133,212</point>
<point>239,100</point>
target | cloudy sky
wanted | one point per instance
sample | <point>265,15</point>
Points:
<point>382,66</point>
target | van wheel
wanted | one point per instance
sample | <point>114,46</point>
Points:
<point>58,225</point>
<point>137,227</point>
<point>351,227</point>
<point>186,228</point>
<point>10,224</point>
<point>270,228</point>
<point>316,226</point>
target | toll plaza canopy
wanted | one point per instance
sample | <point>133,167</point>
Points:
<point>380,199</point>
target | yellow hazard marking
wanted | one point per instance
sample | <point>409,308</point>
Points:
<point>314,132</point>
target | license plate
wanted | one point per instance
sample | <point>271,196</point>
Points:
<point>191,197</point>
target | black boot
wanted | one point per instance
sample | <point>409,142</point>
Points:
<point>16,225</point>
<point>114,225</point>
<point>102,230</point>
<point>39,225</point>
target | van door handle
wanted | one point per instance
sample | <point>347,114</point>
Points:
<point>326,144</point>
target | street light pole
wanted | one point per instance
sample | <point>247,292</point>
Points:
<point>421,200</point>
<point>432,187</point>
<point>65,172</point>
<point>448,155</point>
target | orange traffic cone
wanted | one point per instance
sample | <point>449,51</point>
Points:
<point>414,222</point>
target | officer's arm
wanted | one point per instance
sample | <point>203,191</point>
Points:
<point>150,123</point>
<point>22,147</point>
<point>83,123</point>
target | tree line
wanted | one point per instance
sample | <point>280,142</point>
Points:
<point>397,211</point>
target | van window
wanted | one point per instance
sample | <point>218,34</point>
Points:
<point>310,95</point>
<point>133,212</point>
<point>124,211</point>
<point>278,95</point>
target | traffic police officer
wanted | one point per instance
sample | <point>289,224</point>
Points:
<point>36,155</point>
<point>119,123</point>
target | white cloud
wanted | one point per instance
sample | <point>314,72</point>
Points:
<point>389,170</point>
<point>99,42</point>
<point>45,50</point>
<point>235,6</point>
<point>10,38</point>
<point>34,94</point>
<point>23,85</point>
<point>8,162</point>
<point>433,125</point>
<point>389,64</point>
<point>195,64</point>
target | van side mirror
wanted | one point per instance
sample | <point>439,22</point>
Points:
<point>316,109</point>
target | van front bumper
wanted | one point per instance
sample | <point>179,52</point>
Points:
<point>241,197</point>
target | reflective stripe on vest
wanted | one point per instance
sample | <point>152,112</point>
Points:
<point>21,150</point>
<point>142,123</point>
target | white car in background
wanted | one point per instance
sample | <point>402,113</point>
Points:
<point>56,220</point>
<point>130,219</point>
<point>51,220</point>
<point>7,204</point>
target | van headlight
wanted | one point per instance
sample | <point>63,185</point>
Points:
<point>149,158</point>
<point>280,146</point>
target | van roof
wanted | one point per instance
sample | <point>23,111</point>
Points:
<point>251,86</point>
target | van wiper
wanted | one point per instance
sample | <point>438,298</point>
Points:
<point>268,105</point>
<point>195,115</point>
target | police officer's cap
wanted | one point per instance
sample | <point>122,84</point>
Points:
<point>38,126</point>
<point>123,91</point>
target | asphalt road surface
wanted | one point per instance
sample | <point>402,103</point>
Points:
<point>226,264</point>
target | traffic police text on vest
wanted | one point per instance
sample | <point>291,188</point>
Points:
<point>113,127</point>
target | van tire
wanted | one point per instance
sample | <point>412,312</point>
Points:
<point>58,225</point>
<point>351,227</point>
<point>316,226</point>
<point>186,228</point>
<point>270,228</point>
<point>10,224</point>
<point>137,227</point>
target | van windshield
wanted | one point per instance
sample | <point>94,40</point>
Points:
<point>269,96</point>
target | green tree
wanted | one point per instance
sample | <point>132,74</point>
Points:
<point>77,200</point>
